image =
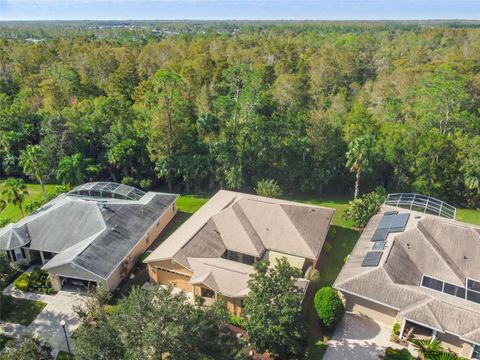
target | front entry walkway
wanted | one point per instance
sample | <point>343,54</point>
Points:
<point>359,338</point>
<point>46,325</point>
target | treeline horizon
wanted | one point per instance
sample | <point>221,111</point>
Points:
<point>285,102</point>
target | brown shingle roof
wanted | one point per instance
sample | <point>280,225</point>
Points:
<point>441,248</point>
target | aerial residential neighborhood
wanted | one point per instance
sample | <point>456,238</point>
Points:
<point>239,179</point>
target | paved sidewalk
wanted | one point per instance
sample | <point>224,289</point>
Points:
<point>47,324</point>
<point>12,330</point>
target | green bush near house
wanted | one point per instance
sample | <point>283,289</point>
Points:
<point>329,307</point>
<point>363,208</point>
<point>396,329</point>
<point>22,283</point>
<point>398,354</point>
<point>63,355</point>
<point>237,321</point>
<point>36,281</point>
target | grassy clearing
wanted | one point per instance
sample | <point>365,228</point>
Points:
<point>471,216</point>
<point>21,311</point>
<point>35,193</point>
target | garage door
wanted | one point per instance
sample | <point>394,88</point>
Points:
<point>168,277</point>
<point>371,310</point>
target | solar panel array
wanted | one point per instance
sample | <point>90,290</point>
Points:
<point>372,258</point>
<point>391,222</point>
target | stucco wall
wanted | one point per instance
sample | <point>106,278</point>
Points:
<point>451,342</point>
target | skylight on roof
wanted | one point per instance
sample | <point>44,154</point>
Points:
<point>107,190</point>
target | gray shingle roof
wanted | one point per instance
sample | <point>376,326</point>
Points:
<point>441,248</point>
<point>91,232</point>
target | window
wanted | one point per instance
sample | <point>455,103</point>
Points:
<point>430,283</point>
<point>454,290</point>
<point>473,285</point>
<point>476,352</point>
<point>473,296</point>
<point>239,257</point>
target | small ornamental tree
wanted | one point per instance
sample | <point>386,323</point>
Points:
<point>29,348</point>
<point>273,309</point>
<point>329,307</point>
<point>362,209</point>
<point>268,188</point>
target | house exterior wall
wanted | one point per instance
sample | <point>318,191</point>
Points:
<point>451,342</point>
<point>370,309</point>
<point>167,272</point>
<point>124,268</point>
<point>234,305</point>
<point>467,350</point>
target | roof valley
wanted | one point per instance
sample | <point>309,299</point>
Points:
<point>442,254</point>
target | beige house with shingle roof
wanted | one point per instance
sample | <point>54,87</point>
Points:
<point>424,275</point>
<point>213,252</point>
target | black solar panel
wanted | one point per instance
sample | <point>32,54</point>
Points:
<point>387,221</point>
<point>372,258</point>
<point>380,235</point>
<point>399,222</point>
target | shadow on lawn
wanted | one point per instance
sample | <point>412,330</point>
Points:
<point>339,243</point>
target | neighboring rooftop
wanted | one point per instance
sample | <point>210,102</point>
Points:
<point>429,271</point>
<point>92,231</point>
<point>245,224</point>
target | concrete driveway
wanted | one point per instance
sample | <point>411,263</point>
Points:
<point>358,338</point>
<point>47,324</point>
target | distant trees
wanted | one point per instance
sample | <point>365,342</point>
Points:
<point>287,102</point>
<point>15,191</point>
<point>273,309</point>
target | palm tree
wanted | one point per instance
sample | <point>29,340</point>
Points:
<point>359,155</point>
<point>69,170</point>
<point>35,166</point>
<point>427,348</point>
<point>15,191</point>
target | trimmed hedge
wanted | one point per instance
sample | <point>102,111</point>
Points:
<point>329,307</point>
<point>23,282</point>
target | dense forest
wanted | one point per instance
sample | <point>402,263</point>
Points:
<point>308,105</point>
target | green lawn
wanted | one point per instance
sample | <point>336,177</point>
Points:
<point>21,311</point>
<point>35,193</point>
<point>471,216</point>
<point>63,355</point>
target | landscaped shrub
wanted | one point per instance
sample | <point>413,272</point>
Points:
<point>40,282</point>
<point>23,282</point>
<point>237,321</point>
<point>268,188</point>
<point>398,354</point>
<point>329,307</point>
<point>396,329</point>
<point>363,208</point>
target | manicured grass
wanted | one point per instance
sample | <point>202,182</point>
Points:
<point>35,193</point>
<point>63,355</point>
<point>21,311</point>
<point>190,203</point>
<point>471,216</point>
<point>3,341</point>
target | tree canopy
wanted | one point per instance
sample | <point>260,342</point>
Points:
<point>230,104</point>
